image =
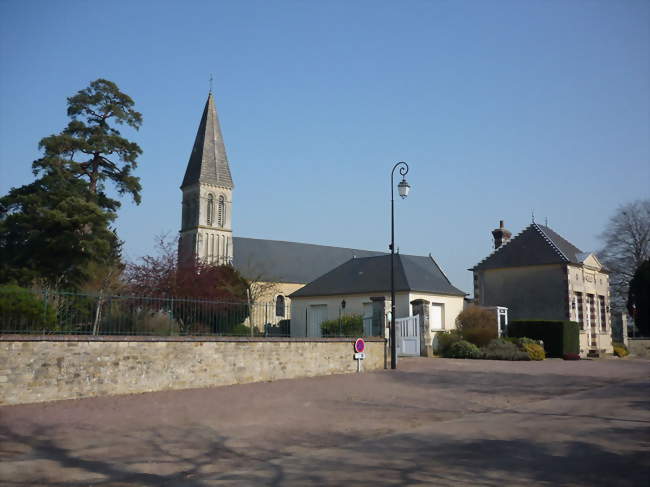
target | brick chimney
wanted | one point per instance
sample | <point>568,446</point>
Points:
<point>501,235</point>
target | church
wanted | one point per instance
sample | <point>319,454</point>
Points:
<point>277,269</point>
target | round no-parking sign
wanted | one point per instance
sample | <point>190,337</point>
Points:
<point>359,345</point>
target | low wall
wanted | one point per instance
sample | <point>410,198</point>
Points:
<point>639,347</point>
<point>36,369</point>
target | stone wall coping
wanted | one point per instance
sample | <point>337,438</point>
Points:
<point>190,339</point>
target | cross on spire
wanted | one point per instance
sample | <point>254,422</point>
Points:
<point>210,82</point>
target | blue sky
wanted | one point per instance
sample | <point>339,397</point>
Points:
<point>499,107</point>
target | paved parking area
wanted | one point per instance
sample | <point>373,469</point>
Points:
<point>432,422</point>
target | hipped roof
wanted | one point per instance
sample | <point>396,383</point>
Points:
<point>535,245</point>
<point>372,275</point>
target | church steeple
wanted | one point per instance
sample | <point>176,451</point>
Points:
<point>206,225</point>
<point>208,162</point>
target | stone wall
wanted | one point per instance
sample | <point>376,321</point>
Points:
<point>36,369</point>
<point>639,347</point>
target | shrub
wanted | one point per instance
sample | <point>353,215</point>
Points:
<point>527,341</point>
<point>559,337</point>
<point>281,329</point>
<point>347,325</point>
<point>534,351</point>
<point>463,349</point>
<point>23,310</point>
<point>500,349</point>
<point>197,328</point>
<point>477,325</point>
<point>243,330</point>
<point>571,356</point>
<point>156,323</point>
<point>445,339</point>
<point>620,350</point>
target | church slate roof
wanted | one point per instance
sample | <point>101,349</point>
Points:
<point>208,162</point>
<point>290,262</point>
<point>535,245</point>
<point>372,275</point>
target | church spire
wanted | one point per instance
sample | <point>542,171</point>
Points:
<point>208,162</point>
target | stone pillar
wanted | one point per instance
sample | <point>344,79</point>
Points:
<point>379,322</point>
<point>421,308</point>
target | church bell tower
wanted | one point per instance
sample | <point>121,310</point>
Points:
<point>206,226</point>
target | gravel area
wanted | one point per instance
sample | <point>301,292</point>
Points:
<point>432,422</point>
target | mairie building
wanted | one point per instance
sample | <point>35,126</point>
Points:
<point>539,275</point>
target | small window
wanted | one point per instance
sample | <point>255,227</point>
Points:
<point>210,209</point>
<point>279,306</point>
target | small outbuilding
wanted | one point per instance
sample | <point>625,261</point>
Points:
<point>362,286</point>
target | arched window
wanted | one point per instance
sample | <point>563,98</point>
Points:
<point>279,306</point>
<point>210,209</point>
<point>221,211</point>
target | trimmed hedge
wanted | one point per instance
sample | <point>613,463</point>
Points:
<point>560,337</point>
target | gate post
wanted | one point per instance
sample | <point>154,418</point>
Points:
<point>379,321</point>
<point>421,308</point>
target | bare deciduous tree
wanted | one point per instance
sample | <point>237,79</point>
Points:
<point>627,245</point>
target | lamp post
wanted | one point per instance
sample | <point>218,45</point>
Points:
<point>403,188</point>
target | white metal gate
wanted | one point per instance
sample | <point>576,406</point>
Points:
<point>408,336</point>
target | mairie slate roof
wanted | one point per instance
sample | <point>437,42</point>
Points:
<point>372,275</point>
<point>208,162</point>
<point>535,245</point>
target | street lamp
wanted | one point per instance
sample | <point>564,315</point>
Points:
<point>403,188</point>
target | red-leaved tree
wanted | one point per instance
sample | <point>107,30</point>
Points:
<point>204,297</point>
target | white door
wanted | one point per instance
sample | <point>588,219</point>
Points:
<point>408,336</point>
<point>316,314</point>
<point>435,317</point>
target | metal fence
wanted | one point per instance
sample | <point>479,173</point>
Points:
<point>74,313</point>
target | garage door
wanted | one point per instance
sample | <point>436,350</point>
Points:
<point>316,314</point>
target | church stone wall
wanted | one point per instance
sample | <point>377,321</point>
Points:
<point>37,369</point>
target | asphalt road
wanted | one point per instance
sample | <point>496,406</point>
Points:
<point>432,422</point>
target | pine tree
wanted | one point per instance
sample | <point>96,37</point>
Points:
<point>53,233</point>
<point>91,148</point>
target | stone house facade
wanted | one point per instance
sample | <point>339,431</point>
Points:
<point>540,275</point>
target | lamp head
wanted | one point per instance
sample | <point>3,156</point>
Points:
<point>403,188</point>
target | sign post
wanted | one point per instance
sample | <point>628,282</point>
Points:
<point>359,352</point>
